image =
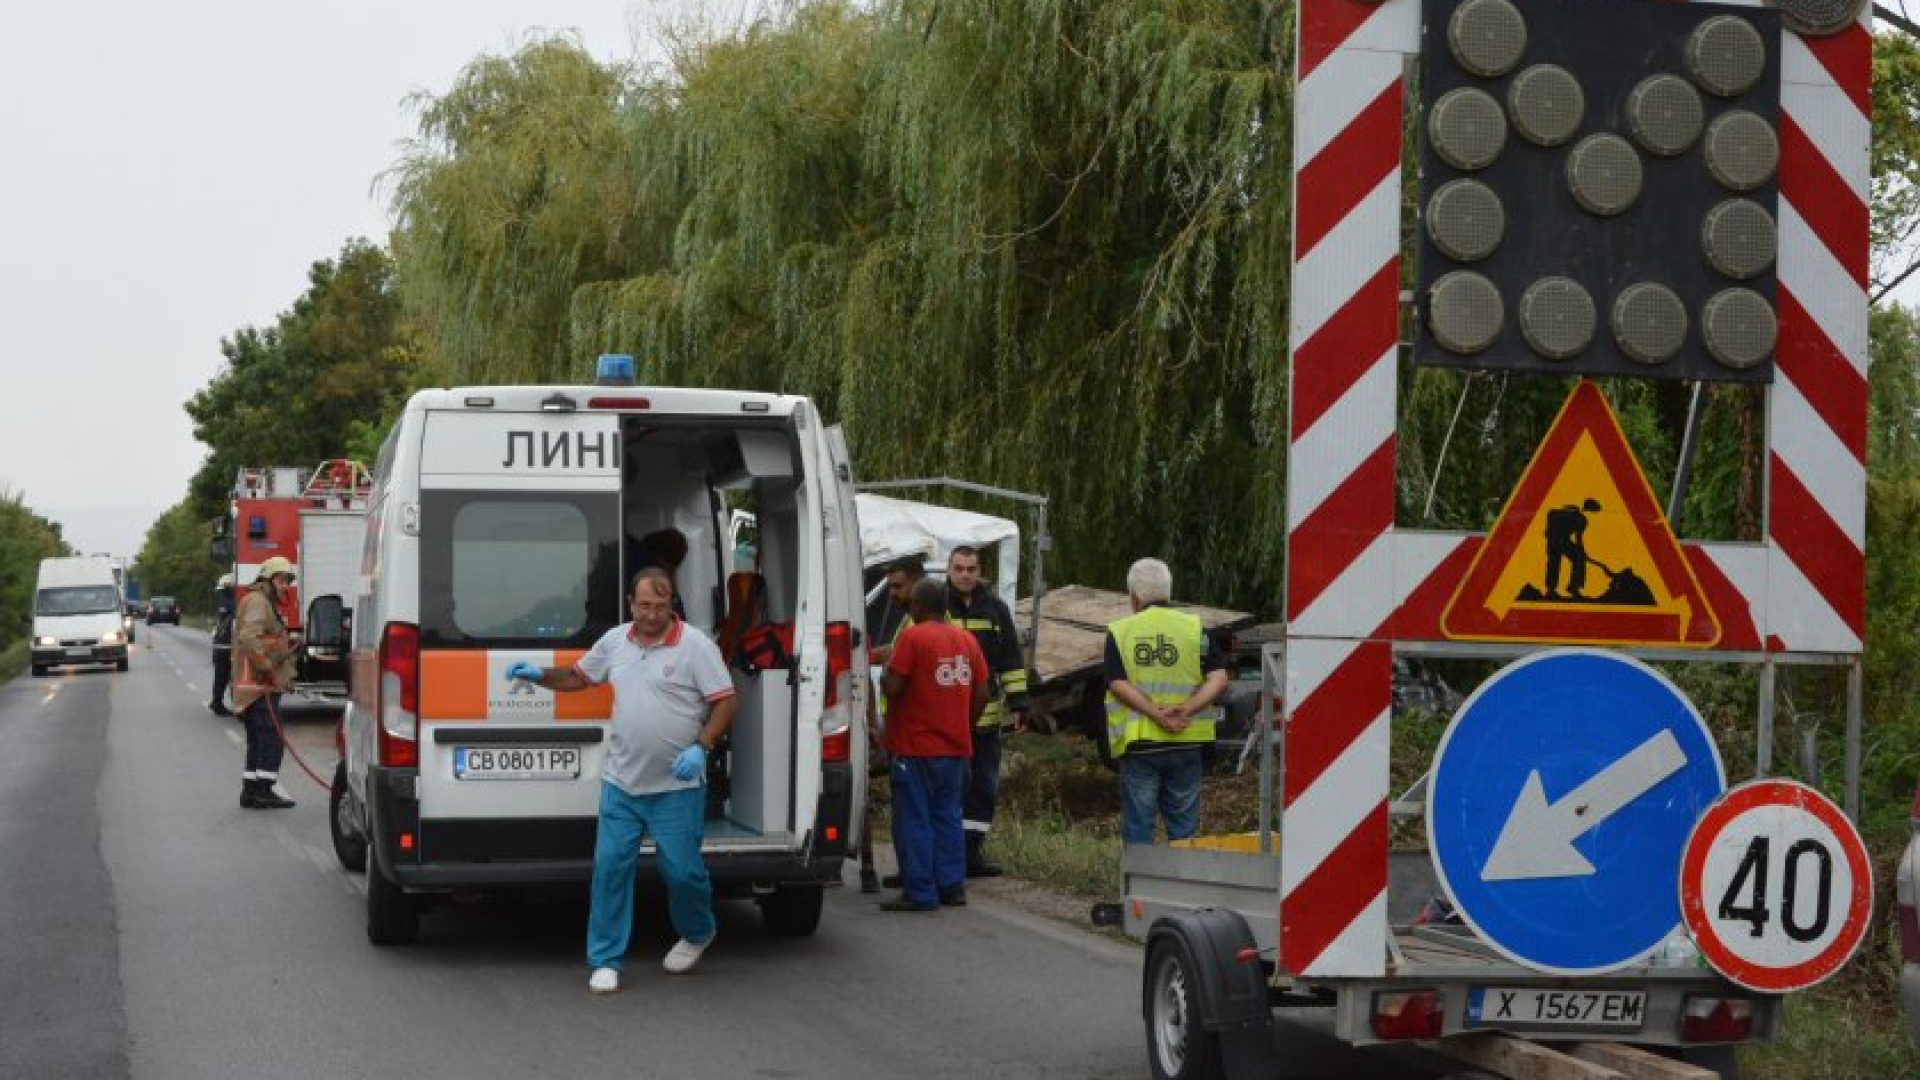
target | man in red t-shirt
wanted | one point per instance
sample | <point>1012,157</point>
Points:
<point>936,688</point>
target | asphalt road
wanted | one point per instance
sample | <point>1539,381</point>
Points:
<point>151,929</point>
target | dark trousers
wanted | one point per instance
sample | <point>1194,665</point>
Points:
<point>222,672</point>
<point>983,780</point>
<point>263,739</point>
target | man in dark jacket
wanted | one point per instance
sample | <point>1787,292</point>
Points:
<point>975,609</point>
<point>222,645</point>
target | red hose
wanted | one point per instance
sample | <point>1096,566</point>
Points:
<point>274,715</point>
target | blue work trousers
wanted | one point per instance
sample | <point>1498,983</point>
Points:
<point>264,747</point>
<point>676,821</point>
<point>927,836</point>
<point>1165,782</point>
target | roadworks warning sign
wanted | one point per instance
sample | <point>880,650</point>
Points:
<point>1582,554</point>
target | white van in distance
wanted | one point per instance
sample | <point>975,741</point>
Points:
<point>77,617</point>
<point>504,525</point>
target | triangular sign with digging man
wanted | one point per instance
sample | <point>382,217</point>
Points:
<point>1582,553</point>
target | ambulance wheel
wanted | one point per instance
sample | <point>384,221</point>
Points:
<point>349,844</point>
<point>1178,1047</point>
<point>792,910</point>
<point>39,671</point>
<point>393,917</point>
<point>120,664</point>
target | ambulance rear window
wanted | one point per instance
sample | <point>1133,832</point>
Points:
<point>504,569</point>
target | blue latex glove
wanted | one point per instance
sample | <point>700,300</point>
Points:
<point>692,762</point>
<point>524,670</point>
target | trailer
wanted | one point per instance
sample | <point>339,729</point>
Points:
<point>1490,117</point>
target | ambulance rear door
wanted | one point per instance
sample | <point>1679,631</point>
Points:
<point>519,559</point>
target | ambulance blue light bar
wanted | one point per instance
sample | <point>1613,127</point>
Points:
<point>614,369</point>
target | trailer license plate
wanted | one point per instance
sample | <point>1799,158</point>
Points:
<point>516,762</point>
<point>1532,1007</point>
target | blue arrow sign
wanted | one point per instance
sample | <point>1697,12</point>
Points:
<point>1561,798</point>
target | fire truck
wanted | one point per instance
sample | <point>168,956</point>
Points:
<point>314,518</point>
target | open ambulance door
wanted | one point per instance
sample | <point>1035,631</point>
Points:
<point>846,605</point>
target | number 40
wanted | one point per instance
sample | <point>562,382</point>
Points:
<point>1750,883</point>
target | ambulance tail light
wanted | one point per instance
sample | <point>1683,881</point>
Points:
<point>836,715</point>
<point>1716,1020</point>
<point>837,747</point>
<point>400,696</point>
<point>1413,1014</point>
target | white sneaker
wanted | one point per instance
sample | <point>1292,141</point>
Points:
<point>604,981</point>
<point>684,954</point>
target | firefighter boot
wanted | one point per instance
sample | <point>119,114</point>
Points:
<point>977,864</point>
<point>249,792</point>
<point>266,798</point>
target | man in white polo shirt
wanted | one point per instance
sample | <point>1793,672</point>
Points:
<point>672,701</point>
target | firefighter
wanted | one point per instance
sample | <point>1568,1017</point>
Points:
<point>263,651</point>
<point>1162,680</point>
<point>222,645</point>
<point>973,608</point>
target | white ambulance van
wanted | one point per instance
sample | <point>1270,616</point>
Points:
<point>503,525</point>
<point>77,614</point>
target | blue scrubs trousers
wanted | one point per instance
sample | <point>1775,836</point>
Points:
<point>676,820</point>
<point>927,835</point>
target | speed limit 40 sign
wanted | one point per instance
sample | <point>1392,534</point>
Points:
<point>1775,886</point>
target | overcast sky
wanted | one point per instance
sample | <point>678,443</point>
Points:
<point>168,172</point>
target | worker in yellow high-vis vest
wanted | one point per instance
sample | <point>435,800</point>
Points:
<point>1163,677</point>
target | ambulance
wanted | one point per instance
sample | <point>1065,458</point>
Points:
<point>502,525</point>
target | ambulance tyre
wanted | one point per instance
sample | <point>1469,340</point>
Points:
<point>792,910</point>
<point>120,664</point>
<point>39,671</point>
<point>393,917</point>
<point>1178,1046</point>
<point>349,843</point>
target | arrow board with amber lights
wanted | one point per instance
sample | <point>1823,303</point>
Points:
<point>1582,553</point>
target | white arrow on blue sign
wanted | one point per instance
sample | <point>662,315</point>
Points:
<point>1561,799</point>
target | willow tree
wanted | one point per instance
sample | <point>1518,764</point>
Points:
<point>1036,245</point>
<point>519,188</point>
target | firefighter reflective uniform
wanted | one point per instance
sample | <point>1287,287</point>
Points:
<point>263,666</point>
<point>987,617</point>
<point>1161,650</point>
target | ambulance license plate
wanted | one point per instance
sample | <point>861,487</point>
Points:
<point>79,652</point>
<point>516,762</point>
<point>1524,1007</point>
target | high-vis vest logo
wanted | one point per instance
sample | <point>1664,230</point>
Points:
<point>1156,653</point>
<point>1160,650</point>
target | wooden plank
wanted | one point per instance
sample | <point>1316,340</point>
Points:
<point>1073,628</point>
<point>1518,1059</point>
<point>1638,1064</point>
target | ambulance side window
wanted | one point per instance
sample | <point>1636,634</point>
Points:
<point>531,569</point>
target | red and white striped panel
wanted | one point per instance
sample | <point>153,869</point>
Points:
<point>1355,584</point>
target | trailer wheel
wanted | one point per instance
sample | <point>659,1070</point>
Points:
<point>349,843</point>
<point>1178,1047</point>
<point>792,910</point>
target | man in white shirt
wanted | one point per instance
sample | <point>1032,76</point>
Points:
<point>672,701</point>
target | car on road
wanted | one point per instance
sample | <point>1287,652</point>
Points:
<point>163,609</point>
<point>1906,888</point>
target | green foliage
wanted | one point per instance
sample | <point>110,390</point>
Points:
<point>1037,245</point>
<point>1896,159</point>
<point>174,561</point>
<point>294,393</point>
<point>25,539</point>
